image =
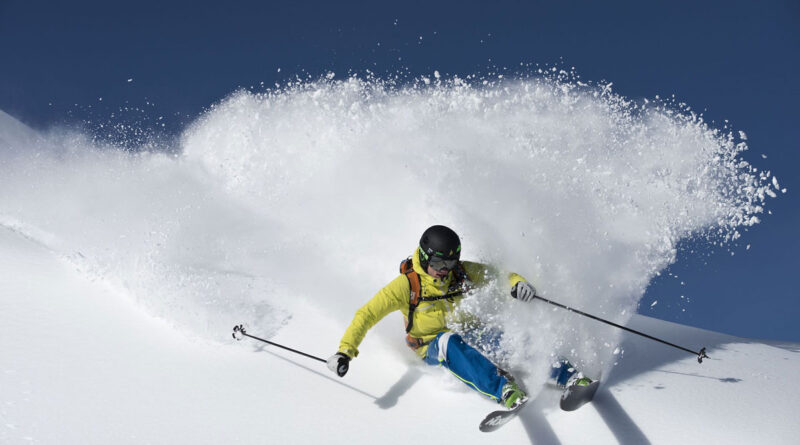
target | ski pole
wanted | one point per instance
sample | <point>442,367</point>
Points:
<point>701,354</point>
<point>239,332</point>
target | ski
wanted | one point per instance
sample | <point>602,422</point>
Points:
<point>575,397</point>
<point>498,418</point>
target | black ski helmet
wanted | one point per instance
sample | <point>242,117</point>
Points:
<point>439,241</point>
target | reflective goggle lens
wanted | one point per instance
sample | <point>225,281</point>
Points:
<point>438,263</point>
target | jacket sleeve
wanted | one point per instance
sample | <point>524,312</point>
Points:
<point>481,274</point>
<point>393,297</point>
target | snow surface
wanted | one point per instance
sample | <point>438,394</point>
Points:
<point>122,271</point>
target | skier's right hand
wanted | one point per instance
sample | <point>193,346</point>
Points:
<point>523,291</point>
<point>339,363</point>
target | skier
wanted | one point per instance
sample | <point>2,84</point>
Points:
<point>431,284</point>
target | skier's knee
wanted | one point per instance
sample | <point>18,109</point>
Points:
<point>442,343</point>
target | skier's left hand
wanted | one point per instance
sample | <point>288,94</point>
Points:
<point>523,291</point>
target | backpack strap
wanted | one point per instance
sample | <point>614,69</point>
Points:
<point>414,297</point>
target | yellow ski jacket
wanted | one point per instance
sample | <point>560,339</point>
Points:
<point>430,317</point>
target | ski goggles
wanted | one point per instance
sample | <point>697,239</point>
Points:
<point>439,263</point>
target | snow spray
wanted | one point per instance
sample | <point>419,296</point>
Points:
<point>315,190</point>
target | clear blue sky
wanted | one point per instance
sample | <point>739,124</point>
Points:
<point>736,60</point>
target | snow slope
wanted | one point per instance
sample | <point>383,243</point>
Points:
<point>82,363</point>
<point>122,271</point>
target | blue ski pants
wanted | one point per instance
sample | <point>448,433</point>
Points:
<point>466,363</point>
<point>478,372</point>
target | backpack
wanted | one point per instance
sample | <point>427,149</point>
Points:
<point>457,288</point>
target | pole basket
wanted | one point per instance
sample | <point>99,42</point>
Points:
<point>239,332</point>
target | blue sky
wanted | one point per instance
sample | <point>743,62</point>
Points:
<point>733,60</point>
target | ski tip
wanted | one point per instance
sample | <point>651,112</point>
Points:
<point>578,396</point>
<point>498,418</point>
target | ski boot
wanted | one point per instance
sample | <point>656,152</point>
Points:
<point>513,396</point>
<point>565,375</point>
<point>578,379</point>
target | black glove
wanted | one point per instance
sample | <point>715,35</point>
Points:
<point>523,291</point>
<point>339,363</point>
